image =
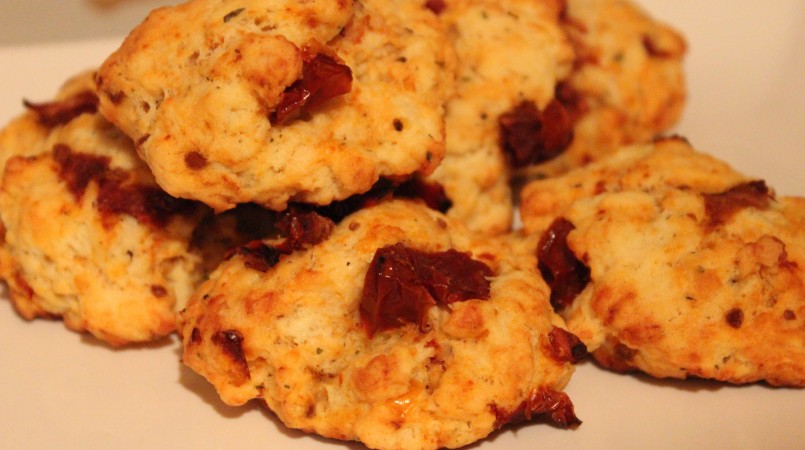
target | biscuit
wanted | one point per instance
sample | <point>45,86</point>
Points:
<point>508,53</point>
<point>667,261</point>
<point>269,102</point>
<point>689,284</point>
<point>394,327</point>
<point>88,235</point>
<point>627,86</point>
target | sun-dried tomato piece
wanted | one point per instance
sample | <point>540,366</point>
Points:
<point>231,344</point>
<point>431,192</point>
<point>574,103</point>
<point>300,229</point>
<point>150,205</point>
<point>453,276</point>
<point>722,206</point>
<point>542,403</point>
<point>402,283</point>
<point>195,336</point>
<point>392,295</point>
<point>323,77</point>
<point>623,352</point>
<point>557,130</point>
<point>256,255</point>
<point>564,273</point>
<point>520,129</point>
<point>437,6</point>
<point>303,228</point>
<point>531,136</point>
<point>117,194</point>
<point>216,235</point>
<point>60,112</point>
<point>230,341</point>
<point>565,346</point>
<point>78,169</point>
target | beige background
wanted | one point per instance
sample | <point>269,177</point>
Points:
<point>40,21</point>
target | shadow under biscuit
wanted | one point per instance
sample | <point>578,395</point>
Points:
<point>690,384</point>
<point>199,386</point>
<point>92,341</point>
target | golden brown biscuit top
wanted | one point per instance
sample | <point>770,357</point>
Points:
<point>88,235</point>
<point>326,338</point>
<point>669,162</point>
<point>270,102</point>
<point>683,283</point>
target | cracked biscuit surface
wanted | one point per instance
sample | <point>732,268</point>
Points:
<point>667,261</point>
<point>276,101</point>
<point>296,331</point>
<point>88,236</point>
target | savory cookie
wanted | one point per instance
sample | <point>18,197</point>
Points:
<point>88,235</point>
<point>670,162</point>
<point>669,262</point>
<point>394,327</point>
<point>689,284</point>
<point>628,84</point>
<point>509,54</point>
<point>276,101</point>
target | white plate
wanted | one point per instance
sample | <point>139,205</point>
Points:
<point>747,105</point>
